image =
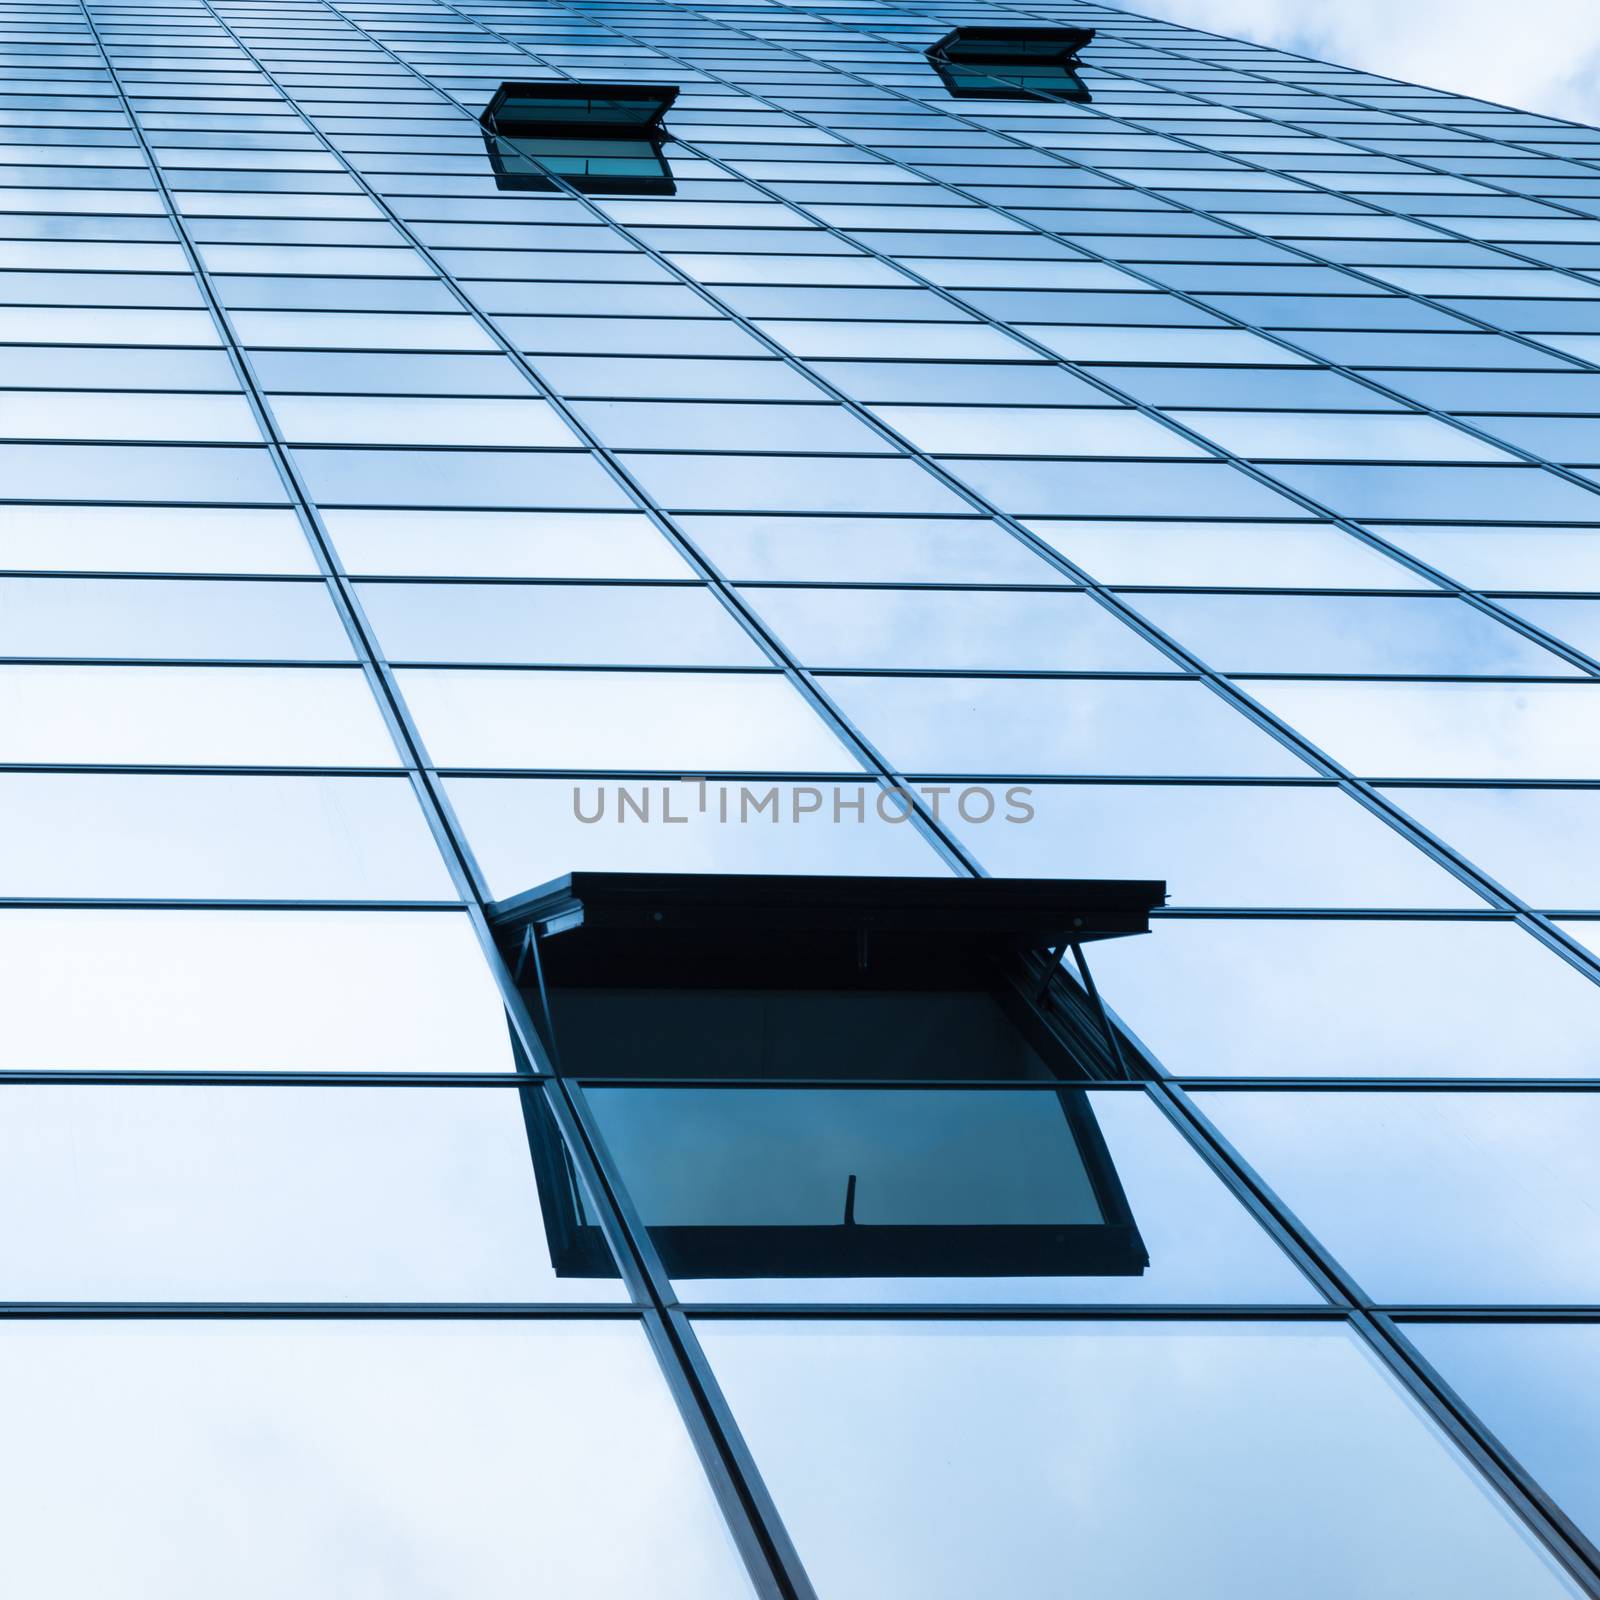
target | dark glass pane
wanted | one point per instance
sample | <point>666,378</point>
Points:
<point>789,1033</point>
<point>927,1194</point>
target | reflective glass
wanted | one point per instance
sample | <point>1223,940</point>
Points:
<point>661,425</point>
<point>1447,730</point>
<point>503,544</point>
<point>1486,1198</point>
<point>1223,346</point>
<point>1346,634</point>
<point>171,619</point>
<point>920,449</point>
<point>1262,386</point>
<point>1511,494</point>
<point>159,1193</point>
<point>208,716</point>
<point>356,1455</point>
<point>839,484</point>
<point>954,629</point>
<point>1574,622</point>
<point>193,418</point>
<point>211,991</point>
<point>1066,726</point>
<point>1238,554</point>
<point>149,473</point>
<point>458,479</point>
<point>937,1194</point>
<point>1531,1383</point>
<point>153,539</point>
<point>1034,430</point>
<point>568,623</point>
<point>1507,558</point>
<point>1212,844</point>
<point>1269,998</point>
<point>356,330</point>
<point>1119,488</point>
<point>1320,435</point>
<point>865,550</point>
<point>214,836</point>
<point>620,721</point>
<point>374,419</point>
<point>690,378</point>
<point>1535,840</point>
<point>1018,383</point>
<point>1046,1435</point>
<point>527,831</point>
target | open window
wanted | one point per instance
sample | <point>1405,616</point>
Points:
<point>601,138</point>
<point>1011,63</point>
<point>833,1078</point>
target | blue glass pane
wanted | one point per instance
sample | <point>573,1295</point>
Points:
<point>1045,1435</point>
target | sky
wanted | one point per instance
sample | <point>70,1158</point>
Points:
<point>1538,55</point>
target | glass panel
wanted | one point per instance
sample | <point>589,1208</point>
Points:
<point>1107,726</point>
<point>154,1193</point>
<point>408,420</point>
<point>1346,634</point>
<point>1507,558</point>
<point>866,550</point>
<point>954,628</point>
<point>1435,1198</point>
<point>210,716</point>
<point>194,418</point>
<point>620,721</point>
<point>1335,436</point>
<point>666,425</point>
<point>268,991</point>
<point>1574,622</point>
<point>1048,1437</point>
<point>504,544</point>
<point>974,430</point>
<point>1119,488</point>
<point>1535,841</point>
<point>1212,844</point>
<point>792,483</point>
<point>170,619</point>
<point>153,539</point>
<point>210,836</point>
<point>526,831</point>
<point>148,474</point>
<point>458,479</point>
<point>291,1440</point>
<point>1228,554</point>
<point>615,624</point>
<point>1532,1384</point>
<point>971,1195</point>
<point>1447,730</point>
<point>1513,494</point>
<point>1272,997</point>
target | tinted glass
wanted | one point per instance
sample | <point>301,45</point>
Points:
<point>883,1195</point>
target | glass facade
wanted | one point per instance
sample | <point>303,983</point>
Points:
<point>1200,482</point>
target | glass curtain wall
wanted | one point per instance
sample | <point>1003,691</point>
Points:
<point>1201,483</point>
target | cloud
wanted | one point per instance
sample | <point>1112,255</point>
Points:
<point>1541,55</point>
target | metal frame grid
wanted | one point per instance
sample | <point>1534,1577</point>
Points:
<point>327,67</point>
